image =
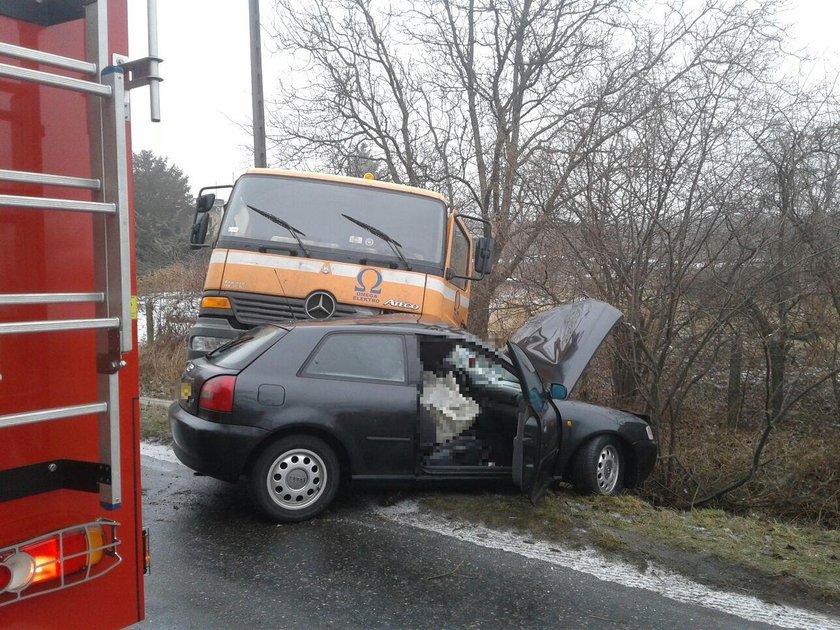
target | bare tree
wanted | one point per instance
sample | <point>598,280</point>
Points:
<point>653,218</point>
<point>470,97</point>
<point>792,304</point>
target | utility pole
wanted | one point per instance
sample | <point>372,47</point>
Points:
<point>257,85</point>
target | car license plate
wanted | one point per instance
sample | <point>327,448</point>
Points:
<point>185,391</point>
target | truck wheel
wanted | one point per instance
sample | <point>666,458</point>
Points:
<point>599,467</point>
<point>295,478</point>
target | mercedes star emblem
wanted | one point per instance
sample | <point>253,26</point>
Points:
<point>319,305</point>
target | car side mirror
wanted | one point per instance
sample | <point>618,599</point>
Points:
<point>484,254</point>
<point>558,391</point>
<point>205,203</point>
<point>198,232</point>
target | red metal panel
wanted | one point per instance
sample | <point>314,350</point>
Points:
<point>45,129</point>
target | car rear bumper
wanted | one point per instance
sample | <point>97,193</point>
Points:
<point>212,448</point>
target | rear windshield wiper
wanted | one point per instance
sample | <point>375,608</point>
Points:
<point>394,245</point>
<point>292,230</point>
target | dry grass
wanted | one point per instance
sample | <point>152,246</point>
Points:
<point>154,424</point>
<point>162,361</point>
<point>605,540</point>
<point>805,556</point>
<point>161,364</point>
<point>180,277</point>
<point>799,479</point>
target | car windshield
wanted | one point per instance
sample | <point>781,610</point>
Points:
<point>314,208</point>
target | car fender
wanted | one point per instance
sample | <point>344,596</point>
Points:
<point>319,430</point>
<point>583,421</point>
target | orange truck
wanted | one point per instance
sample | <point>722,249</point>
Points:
<point>72,548</point>
<point>299,246</point>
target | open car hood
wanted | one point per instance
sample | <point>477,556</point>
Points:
<point>561,342</point>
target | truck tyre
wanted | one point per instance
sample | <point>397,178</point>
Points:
<point>599,467</point>
<point>294,478</point>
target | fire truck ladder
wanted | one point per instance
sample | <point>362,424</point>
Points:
<point>113,321</point>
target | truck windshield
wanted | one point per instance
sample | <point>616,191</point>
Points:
<point>315,209</point>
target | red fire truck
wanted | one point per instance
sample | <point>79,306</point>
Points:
<point>72,548</point>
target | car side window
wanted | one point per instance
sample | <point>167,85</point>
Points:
<point>359,356</point>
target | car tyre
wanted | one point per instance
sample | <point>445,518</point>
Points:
<point>295,478</point>
<point>599,467</point>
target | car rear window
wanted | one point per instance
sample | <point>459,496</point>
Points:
<point>241,351</point>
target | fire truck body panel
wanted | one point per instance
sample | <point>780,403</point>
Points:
<point>46,129</point>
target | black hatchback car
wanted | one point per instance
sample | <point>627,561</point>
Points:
<point>296,408</point>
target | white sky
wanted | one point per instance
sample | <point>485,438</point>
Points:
<point>206,92</point>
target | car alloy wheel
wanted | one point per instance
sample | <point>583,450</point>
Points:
<point>294,478</point>
<point>598,466</point>
<point>607,470</point>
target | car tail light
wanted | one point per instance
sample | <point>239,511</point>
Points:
<point>217,394</point>
<point>57,560</point>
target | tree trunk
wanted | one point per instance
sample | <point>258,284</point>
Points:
<point>835,380</point>
<point>150,321</point>
<point>735,388</point>
<point>479,319</point>
<point>835,385</point>
<point>623,375</point>
<point>776,354</point>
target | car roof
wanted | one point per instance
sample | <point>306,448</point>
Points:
<point>396,323</point>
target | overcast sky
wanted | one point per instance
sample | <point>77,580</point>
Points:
<point>206,93</point>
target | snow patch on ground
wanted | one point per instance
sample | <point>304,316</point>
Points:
<point>162,452</point>
<point>654,579</point>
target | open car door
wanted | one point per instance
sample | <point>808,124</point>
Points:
<point>538,432</point>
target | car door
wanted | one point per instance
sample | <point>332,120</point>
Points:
<point>537,440</point>
<point>355,384</point>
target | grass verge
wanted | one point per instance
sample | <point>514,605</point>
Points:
<point>154,424</point>
<point>797,564</point>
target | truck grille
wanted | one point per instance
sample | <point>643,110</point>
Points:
<point>264,309</point>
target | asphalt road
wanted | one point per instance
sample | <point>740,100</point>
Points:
<point>217,564</point>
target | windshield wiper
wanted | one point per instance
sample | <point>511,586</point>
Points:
<point>394,245</point>
<point>292,230</point>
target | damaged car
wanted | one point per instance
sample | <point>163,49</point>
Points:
<point>297,408</point>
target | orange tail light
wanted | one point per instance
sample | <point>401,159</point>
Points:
<point>58,560</point>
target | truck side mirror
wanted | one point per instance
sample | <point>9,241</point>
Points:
<point>205,203</point>
<point>198,232</point>
<point>484,254</point>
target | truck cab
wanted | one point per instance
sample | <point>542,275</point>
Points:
<point>306,246</point>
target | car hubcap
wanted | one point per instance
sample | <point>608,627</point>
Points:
<point>608,469</point>
<point>296,479</point>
